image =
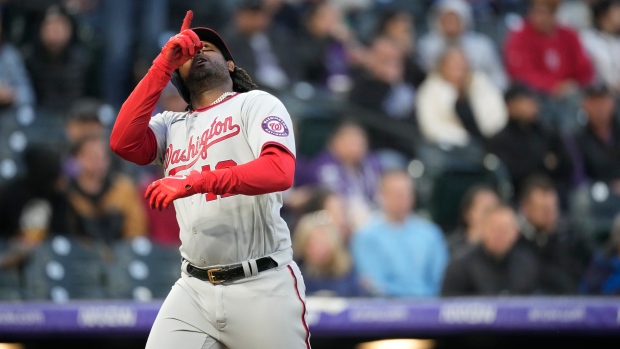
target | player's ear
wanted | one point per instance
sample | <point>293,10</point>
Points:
<point>231,66</point>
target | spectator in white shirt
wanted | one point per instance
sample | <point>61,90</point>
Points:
<point>456,104</point>
<point>603,43</point>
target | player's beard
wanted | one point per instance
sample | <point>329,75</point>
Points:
<point>206,74</point>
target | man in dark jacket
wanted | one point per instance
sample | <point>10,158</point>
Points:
<point>498,266</point>
<point>380,89</point>
<point>526,147</point>
<point>599,140</point>
<point>563,253</point>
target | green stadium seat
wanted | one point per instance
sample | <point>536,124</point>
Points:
<point>143,270</point>
<point>64,269</point>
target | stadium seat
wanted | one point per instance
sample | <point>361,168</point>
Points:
<point>10,285</point>
<point>594,208</point>
<point>449,173</point>
<point>143,270</point>
<point>21,128</point>
<point>64,269</point>
<point>10,280</point>
<point>312,134</point>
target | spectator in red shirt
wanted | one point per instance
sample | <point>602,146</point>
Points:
<point>545,55</point>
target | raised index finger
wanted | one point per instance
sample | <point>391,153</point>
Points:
<point>187,20</point>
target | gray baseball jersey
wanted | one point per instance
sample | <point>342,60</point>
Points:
<point>218,230</point>
<point>266,310</point>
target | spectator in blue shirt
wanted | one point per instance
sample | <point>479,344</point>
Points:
<point>398,253</point>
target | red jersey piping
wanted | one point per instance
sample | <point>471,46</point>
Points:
<point>279,145</point>
<point>303,314</point>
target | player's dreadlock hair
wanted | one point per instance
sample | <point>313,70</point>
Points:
<point>242,82</point>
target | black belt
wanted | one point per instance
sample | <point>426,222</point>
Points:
<point>218,275</point>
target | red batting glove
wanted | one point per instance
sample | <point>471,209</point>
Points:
<point>180,48</point>
<point>163,191</point>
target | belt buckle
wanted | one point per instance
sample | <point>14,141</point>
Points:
<point>212,278</point>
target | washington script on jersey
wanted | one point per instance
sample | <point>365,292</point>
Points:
<point>217,132</point>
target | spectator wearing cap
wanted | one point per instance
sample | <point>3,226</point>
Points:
<point>545,55</point>
<point>498,266</point>
<point>526,147</point>
<point>562,252</point>
<point>603,44</point>
<point>398,253</point>
<point>450,24</point>
<point>457,104</point>
<point>599,139</point>
<point>266,51</point>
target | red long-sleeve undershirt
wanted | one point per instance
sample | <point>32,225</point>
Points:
<point>134,141</point>
<point>272,171</point>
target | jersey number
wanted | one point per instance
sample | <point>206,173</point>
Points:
<point>220,166</point>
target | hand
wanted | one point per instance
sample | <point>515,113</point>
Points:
<point>615,186</point>
<point>7,95</point>
<point>551,161</point>
<point>180,48</point>
<point>565,88</point>
<point>163,191</point>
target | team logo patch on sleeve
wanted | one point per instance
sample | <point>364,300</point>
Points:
<point>275,126</point>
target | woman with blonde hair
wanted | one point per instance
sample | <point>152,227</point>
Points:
<point>323,258</point>
<point>456,104</point>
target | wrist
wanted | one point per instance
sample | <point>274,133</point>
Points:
<point>164,65</point>
<point>197,182</point>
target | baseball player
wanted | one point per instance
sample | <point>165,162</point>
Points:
<point>227,159</point>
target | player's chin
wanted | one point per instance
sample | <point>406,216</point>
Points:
<point>200,72</point>
<point>199,63</point>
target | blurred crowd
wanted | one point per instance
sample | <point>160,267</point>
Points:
<point>445,147</point>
